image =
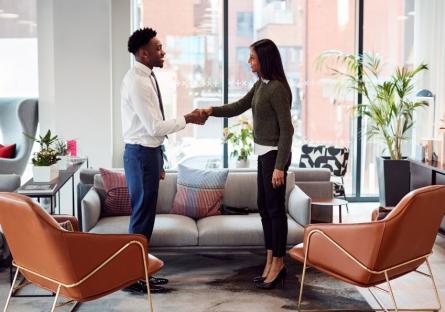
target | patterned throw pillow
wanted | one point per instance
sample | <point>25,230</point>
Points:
<point>117,199</point>
<point>7,151</point>
<point>199,192</point>
<point>67,225</point>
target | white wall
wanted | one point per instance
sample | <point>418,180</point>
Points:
<point>121,60</point>
<point>81,64</point>
<point>429,41</point>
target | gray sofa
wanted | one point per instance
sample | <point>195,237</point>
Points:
<point>177,231</point>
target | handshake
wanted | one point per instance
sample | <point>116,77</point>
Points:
<point>198,116</point>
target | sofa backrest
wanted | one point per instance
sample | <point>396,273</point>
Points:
<point>240,190</point>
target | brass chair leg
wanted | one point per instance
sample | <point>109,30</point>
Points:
<point>147,281</point>
<point>434,284</point>
<point>391,292</point>
<point>303,274</point>
<point>301,288</point>
<point>11,290</point>
<point>55,299</point>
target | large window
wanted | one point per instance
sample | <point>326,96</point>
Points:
<point>388,31</point>
<point>302,30</point>
<point>191,33</point>
<point>194,77</point>
<point>18,48</point>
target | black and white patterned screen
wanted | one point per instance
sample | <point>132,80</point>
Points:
<point>312,156</point>
<point>320,156</point>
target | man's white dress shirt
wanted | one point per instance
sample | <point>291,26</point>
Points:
<point>142,121</point>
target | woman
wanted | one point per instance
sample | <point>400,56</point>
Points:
<point>270,99</point>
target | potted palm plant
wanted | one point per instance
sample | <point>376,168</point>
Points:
<point>389,107</point>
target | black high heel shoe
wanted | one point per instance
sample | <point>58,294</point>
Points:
<point>271,285</point>
<point>258,279</point>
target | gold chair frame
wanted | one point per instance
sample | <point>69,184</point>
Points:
<point>385,272</point>
<point>54,306</point>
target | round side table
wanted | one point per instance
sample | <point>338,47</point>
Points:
<point>331,202</point>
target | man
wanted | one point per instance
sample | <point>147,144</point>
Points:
<point>144,130</point>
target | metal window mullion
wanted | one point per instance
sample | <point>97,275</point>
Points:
<point>358,155</point>
<point>225,73</point>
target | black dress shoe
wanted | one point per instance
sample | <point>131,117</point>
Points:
<point>271,285</point>
<point>258,279</point>
<point>156,289</point>
<point>157,280</point>
<point>140,287</point>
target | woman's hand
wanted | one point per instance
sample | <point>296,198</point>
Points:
<point>207,111</point>
<point>277,178</point>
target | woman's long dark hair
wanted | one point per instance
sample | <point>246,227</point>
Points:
<point>270,62</point>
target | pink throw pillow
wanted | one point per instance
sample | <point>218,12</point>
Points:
<point>117,200</point>
<point>199,193</point>
<point>7,151</point>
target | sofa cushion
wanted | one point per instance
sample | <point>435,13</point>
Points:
<point>199,192</point>
<point>117,200</point>
<point>169,229</point>
<point>241,189</point>
<point>240,230</point>
<point>311,174</point>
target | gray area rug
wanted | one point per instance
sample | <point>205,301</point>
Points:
<point>215,282</point>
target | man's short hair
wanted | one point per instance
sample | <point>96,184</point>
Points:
<point>140,38</point>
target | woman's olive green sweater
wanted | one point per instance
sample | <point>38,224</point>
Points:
<point>272,123</point>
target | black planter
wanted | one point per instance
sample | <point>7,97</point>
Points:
<point>394,180</point>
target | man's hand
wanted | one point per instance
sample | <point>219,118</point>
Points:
<point>277,178</point>
<point>162,175</point>
<point>197,117</point>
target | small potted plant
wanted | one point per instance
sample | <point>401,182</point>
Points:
<point>61,147</point>
<point>240,139</point>
<point>45,160</point>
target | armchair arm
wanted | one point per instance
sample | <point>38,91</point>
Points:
<point>90,259</point>
<point>327,245</point>
<point>9,182</point>
<point>299,206</point>
<point>63,218</point>
<point>90,207</point>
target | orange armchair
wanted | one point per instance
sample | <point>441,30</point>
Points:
<point>368,254</point>
<point>76,265</point>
